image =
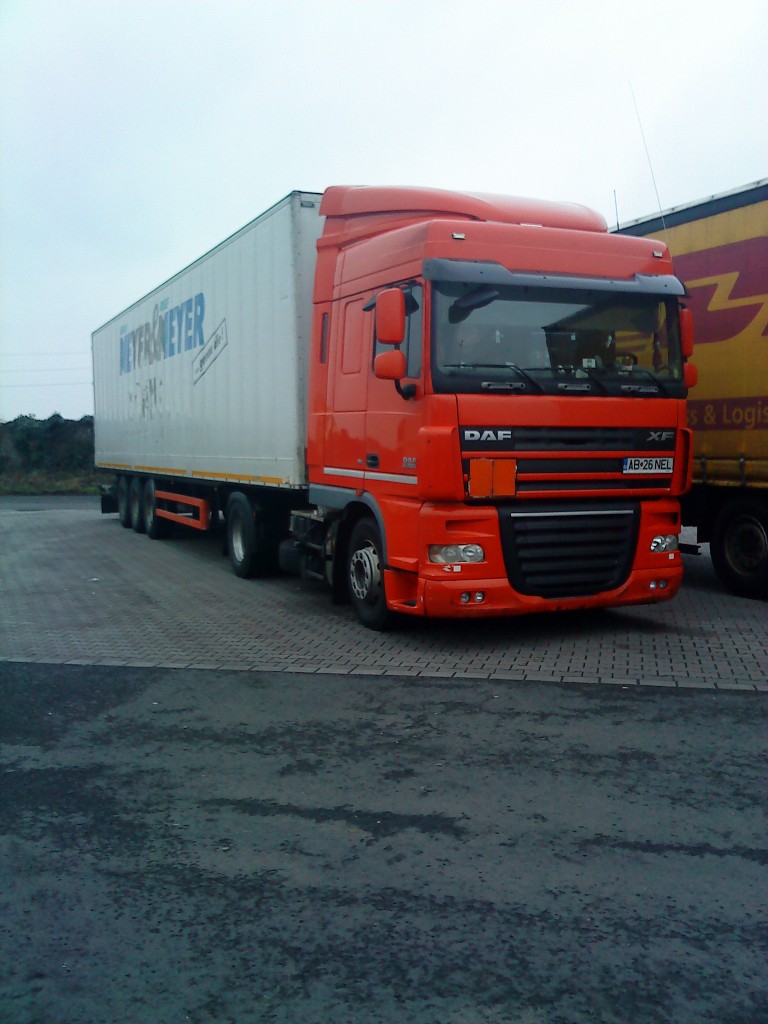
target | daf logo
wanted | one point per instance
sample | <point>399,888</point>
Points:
<point>661,435</point>
<point>487,435</point>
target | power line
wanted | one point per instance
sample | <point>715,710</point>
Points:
<point>56,384</point>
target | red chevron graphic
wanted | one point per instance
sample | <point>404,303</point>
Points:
<point>724,300</point>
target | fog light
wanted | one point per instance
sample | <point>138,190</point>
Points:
<point>465,597</point>
<point>664,542</point>
<point>659,584</point>
<point>479,597</point>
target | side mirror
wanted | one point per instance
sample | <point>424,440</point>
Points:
<point>686,332</point>
<point>390,365</point>
<point>690,375</point>
<point>390,317</point>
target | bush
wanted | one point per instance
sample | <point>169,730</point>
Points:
<point>47,456</point>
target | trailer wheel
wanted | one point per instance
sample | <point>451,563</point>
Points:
<point>135,504</point>
<point>252,540</point>
<point>739,546</point>
<point>365,575</point>
<point>123,501</point>
<point>155,527</point>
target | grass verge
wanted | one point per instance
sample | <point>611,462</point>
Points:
<point>50,483</point>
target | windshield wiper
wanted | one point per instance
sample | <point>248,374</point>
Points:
<point>595,376</point>
<point>476,366</point>
<point>489,384</point>
<point>655,386</point>
<point>526,376</point>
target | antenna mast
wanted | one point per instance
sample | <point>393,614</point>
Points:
<point>648,157</point>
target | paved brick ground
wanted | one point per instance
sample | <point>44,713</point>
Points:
<point>76,588</point>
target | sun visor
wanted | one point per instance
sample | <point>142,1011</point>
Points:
<point>475,272</point>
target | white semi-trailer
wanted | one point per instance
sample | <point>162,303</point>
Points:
<point>204,379</point>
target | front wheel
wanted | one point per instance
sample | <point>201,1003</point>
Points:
<point>739,546</point>
<point>365,575</point>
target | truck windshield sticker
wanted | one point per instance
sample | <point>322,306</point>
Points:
<point>172,331</point>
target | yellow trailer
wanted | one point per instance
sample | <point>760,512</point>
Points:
<point>720,251</point>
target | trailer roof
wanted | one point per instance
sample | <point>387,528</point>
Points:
<point>745,195</point>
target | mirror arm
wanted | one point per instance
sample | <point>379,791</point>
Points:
<point>405,391</point>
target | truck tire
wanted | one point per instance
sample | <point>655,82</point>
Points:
<point>252,540</point>
<point>136,505</point>
<point>155,527</point>
<point>123,501</point>
<point>365,575</point>
<point>739,545</point>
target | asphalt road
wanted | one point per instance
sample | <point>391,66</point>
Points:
<point>463,842</point>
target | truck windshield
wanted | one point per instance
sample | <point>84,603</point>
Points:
<point>543,340</point>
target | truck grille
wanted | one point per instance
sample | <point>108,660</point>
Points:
<point>543,439</point>
<point>575,461</point>
<point>495,439</point>
<point>556,552</point>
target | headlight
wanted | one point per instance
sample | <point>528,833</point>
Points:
<point>444,554</point>
<point>664,542</point>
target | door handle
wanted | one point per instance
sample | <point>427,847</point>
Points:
<point>372,461</point>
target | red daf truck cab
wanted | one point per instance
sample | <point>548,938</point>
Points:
<point>496,408</point>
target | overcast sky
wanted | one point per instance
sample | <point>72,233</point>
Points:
<point>137,134</point>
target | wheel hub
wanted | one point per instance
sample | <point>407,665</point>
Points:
<point>365,574</point>
<point>748,547</point>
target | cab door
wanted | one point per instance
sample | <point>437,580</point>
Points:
<point>391,429</point>
<point>345,423</point>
